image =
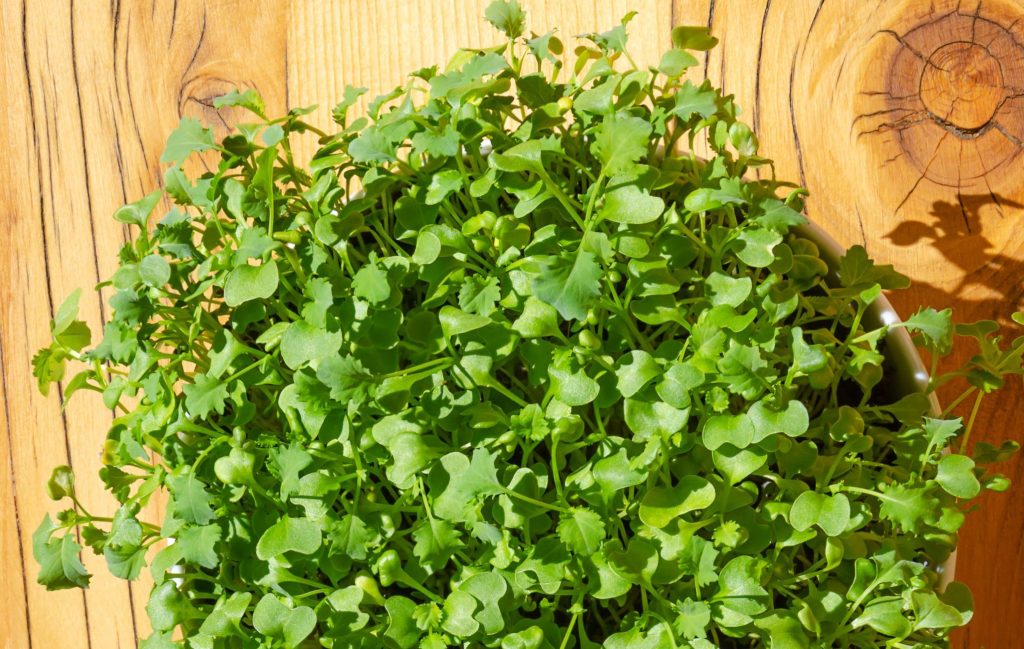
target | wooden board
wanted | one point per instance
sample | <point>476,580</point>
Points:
<point>904,118</point>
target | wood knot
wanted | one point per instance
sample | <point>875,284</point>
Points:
<point>941,103</point>
<point>962,85</point>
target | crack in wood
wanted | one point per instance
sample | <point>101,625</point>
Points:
<point>923,175</point>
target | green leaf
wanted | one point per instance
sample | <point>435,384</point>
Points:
<point>348,380</point>
<point>570,285</point>
<point>455,321</point>
<point>905,506</point>
<point>784,630</point>
<point>654,419</point>
<point>807,358</point>
<point>428,248</point>
<point>199,545</point>
<point>207,395</point>
<point>248,99</point>
<point>582,530</point>
<point>226,617</point>
<point>571,386</point>
<point>661,505</point>
<point>137,213</point>
<point>61,483</point>
<point>443,144</point>
<point>408,447</point>
<point>401,626</point>
<point>856,270</point>
<point>168,607</point>
<point>628,203</point>
<point>525,156</point>
<point>299,535</point>
<point>830,513</point>
<point>371,146</point>
<point>615,473</point>
<point>442,185</point>
<point>678,382</point>
<point>932,613</point>
<point>247,283</point>
<point>957,477</point>
<point>371,284</point>
<point>467,479</point>
<point>725,289</point>
<point>191,499</point>
<point>125,562</point>
<point>738,430</point>
<point>695,100</point>
<point>758,246</point>
<point>436,541</point>
<point>740,595</point>
<point>619,143</point>
<point>507,16</point>
<point>190,137</point>
<point>690,37</point>
<point>792,421</point>
<point>302,342</point>
<point>885,615</point>
<point>675,62</point>
<point>274,618</point>
<point>635,370</point>
<point>738,463</point>
<point>936,327</point>
<point>479,295</point>
<point>538,320</point>
<point>351,537</point>
<point>57,556</point>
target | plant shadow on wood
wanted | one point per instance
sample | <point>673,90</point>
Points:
<point>990,285</point>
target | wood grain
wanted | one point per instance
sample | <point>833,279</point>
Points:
<point>904,118</point>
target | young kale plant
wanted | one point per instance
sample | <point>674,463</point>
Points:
<point>501,368</point>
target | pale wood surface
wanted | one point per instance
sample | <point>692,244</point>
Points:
<point>927,176</point>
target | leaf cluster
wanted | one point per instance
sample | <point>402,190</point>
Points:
<point>500,367</point>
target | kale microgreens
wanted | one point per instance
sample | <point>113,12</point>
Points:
<point>500,367</point>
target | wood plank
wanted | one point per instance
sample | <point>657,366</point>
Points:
<point>102,86</point>
<point>37,437</point>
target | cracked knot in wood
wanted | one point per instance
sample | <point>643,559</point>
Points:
<point>950,110</point>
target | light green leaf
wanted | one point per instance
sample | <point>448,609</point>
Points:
<point>635,370</point>
<point>247,283</point>
<point>571,386</point>
<point>538,320</point>
<point>570,285</point>
<point>793,421</point>
<point>154,270</point>
<point>288,534</point>
<point>191,500</point>
<point>737,430</point>
<point>736,463</point>
<point>661,505</point>
<point>190,137</point>
<point>582,530</point>
<point>455,321</point>
<point>628,203</point>
<point>59,565</point>
<point>621,140</point>
<point>654,419</point>
<point>830,513</point>
<point>274,618</point>
<point>956,475</point>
